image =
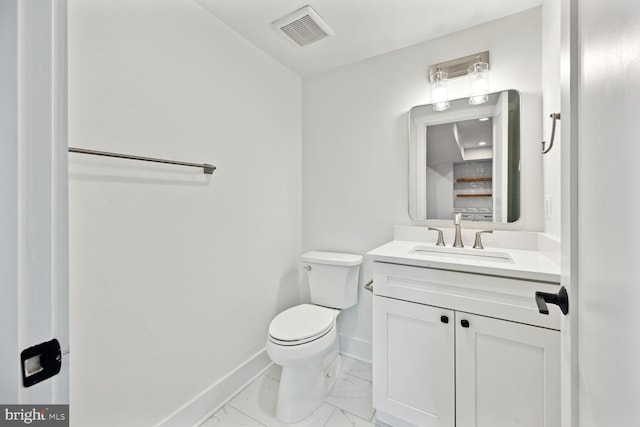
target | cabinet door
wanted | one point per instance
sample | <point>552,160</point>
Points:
<point>507,374</point>
<point>413,357</point>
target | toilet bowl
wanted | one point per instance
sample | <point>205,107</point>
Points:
<point>300,347</point>
<point>304,339</point>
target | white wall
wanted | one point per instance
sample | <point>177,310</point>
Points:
<point>175,275</point>
<point>551,104</point>
<point>354,154</point>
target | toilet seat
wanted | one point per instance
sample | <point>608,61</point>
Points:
<point>299,342</point>
<point>302,324</point>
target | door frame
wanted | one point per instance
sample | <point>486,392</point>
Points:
<point>33,171</point>
<point>569,75</point>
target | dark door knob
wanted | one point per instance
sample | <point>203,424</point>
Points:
<point>464,323</point>
<point>561,299</point>
<point>444,319</point>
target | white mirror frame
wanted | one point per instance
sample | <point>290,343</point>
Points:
<point>531,186</point>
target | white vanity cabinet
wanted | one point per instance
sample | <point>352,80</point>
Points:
<point>413,362</point>
<point>464,350</point>
<point>507,373</point>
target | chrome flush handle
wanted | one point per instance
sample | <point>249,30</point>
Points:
<point>307,267</point>
<point>369,286</point>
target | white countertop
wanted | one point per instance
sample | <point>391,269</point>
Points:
<point>527,264</point>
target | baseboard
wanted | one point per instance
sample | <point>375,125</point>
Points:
<point>356,348</point>
<point>217,395</point>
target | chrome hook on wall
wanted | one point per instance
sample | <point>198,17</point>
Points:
<point>554,116</point>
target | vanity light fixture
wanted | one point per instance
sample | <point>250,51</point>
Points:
<point>479,80</point>
<point>439,96</point>
<point>475,66</point>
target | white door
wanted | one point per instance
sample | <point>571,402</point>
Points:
<point>33,190</point>
<point>507,373</point>
<point>606,236</point>
<point>413,362</point>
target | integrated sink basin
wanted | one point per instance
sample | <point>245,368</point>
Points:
<point>462,254</point>
<point>518,258</point>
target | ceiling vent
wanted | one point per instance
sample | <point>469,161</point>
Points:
<point>303,27</point>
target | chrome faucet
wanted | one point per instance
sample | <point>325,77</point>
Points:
<point>457,241</point>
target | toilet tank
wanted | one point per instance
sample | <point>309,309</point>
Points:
<point>333,278</point>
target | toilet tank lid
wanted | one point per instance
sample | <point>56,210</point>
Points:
<point>332,258</point>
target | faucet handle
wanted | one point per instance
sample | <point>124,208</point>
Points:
<point>478,242</point>
<point>440,241</point>
<point>457,218</point>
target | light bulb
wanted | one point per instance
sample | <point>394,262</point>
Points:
<point>479,79</point>
<point>439,96</point>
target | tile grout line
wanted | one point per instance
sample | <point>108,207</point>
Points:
<point>247,415</point>
<point>351,377</point>
<point>355,376</point>
<point>235,409</point>
<point>337,408</point>
<point>330,415</point>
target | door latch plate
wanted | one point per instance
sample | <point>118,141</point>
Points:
<point>40,362</point>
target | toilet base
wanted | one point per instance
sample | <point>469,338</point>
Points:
<point>302,391</point>
<point>303,388</point>
<point>332,363</point>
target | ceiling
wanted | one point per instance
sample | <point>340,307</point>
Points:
<point>444,147</point>
<point>472,132</point>
<point>363,28</point>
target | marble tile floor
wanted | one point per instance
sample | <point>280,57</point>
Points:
<point>349,403</point>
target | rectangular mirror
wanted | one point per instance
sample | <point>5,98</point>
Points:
<point>466,159</point>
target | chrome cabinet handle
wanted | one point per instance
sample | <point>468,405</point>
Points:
<point>478,242</point>
<point>440,241</point>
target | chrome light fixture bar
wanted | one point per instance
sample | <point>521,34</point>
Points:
<point>458,67</point>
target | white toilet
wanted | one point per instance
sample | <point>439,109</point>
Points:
<point>303,339</point>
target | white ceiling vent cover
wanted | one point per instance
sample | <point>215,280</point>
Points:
<point>303,27</point>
